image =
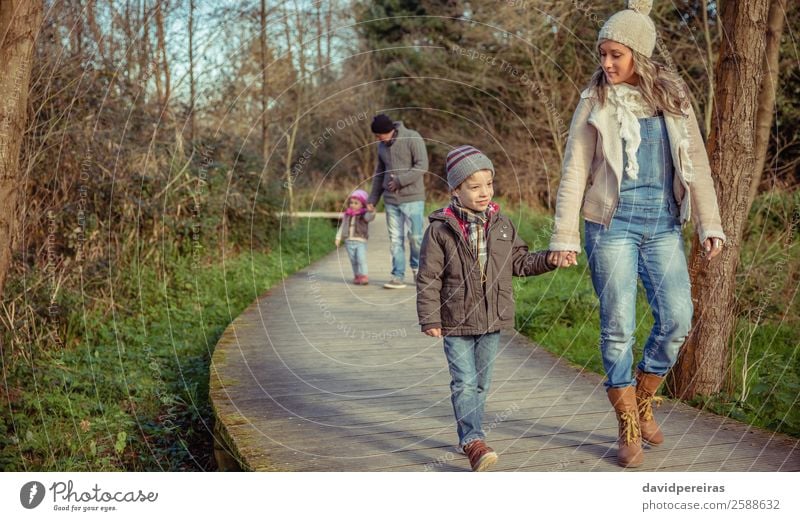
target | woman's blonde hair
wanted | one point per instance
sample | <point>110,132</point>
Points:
<point>661,88</point>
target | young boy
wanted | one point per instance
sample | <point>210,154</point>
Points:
<point>464,292</point>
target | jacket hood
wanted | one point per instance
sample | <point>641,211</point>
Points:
<point>445,214</point>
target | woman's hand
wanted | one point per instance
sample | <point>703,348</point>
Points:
<point>434,331</point>
<point>562,259</point>
<point>712,246</point>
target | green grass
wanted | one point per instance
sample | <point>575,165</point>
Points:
<point>131,393</point>
<point>559,311</point>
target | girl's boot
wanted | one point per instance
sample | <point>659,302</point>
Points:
<point>630,452</point>
<point>646,387</point>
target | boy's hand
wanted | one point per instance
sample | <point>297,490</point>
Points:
<point>338,242</point>
<point>436,332</point>
<point>562,259</point>
<point>393,184</point>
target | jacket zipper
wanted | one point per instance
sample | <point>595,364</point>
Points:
<point>474,256</point>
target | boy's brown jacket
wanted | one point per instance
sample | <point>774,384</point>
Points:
<point>450,294</point>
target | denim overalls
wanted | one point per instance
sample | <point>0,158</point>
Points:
<point>643,240</point>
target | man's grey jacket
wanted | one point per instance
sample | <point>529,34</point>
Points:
<point>405,160</point>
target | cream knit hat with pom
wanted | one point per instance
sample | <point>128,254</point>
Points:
<point>632,27</point>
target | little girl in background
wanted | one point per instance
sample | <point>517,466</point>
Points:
<point>354,231</point>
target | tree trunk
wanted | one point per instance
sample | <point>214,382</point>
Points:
<point>77,28</point>
<point>328,35</point>
<point>300,29</point>
<point>20,21</point>
<point>705,357</point>
<point>156,71</point>
<point>290,141</point>
<point>162,48</point>
<point>318,19</point>
<point>766,99</point>
<point>191,72</point>
<point>710,60</point>
<point>91,20</point>
<point>264,86</point>
<point>298,99</point>
<point>129,38</point>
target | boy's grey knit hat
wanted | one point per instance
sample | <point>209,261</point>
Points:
<point>464,161</point>
<point>632,27</point>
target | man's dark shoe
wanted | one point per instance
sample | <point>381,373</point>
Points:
<point>480,455</point>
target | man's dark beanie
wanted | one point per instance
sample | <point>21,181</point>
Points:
<point>381,124</point>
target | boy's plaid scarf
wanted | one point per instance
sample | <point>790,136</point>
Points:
<point>475,225</point>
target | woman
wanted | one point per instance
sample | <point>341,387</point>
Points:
<point>634,140</point>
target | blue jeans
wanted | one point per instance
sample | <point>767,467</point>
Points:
<point>357,251</point>
<point>470,360</point>
<point>646,243</point>
<point>402,219</point>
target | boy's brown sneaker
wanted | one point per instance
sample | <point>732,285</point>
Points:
<point>480,455</point>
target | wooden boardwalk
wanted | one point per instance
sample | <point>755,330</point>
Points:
<point>321,375</point>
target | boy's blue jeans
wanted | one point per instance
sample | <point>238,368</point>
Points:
<point>357,251</point>
<point>641,242</point>
<point>402,219</point>
<point>470,359</point>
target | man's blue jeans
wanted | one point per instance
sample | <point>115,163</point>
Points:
<point>641,242</point>
<point>402,219</point>
<point>357,251</point>
<point>470,359</point>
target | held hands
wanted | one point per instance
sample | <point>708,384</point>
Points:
<point>370,207</point>
<point>711,247</point>
<point>562,259</point>
<point>435,332</point>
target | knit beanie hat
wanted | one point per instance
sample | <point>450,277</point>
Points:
<point>464,161</point>
<point>361,195</point>
<point>382,124</point>
<point>632,27</point>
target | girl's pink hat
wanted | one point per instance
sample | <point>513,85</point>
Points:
<point>361,195</point>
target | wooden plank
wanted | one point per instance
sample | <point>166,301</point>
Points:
<point>518,438</point>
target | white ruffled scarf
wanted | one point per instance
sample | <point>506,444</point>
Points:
<point>629,105</point>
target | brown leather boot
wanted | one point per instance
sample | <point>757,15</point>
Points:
<point>630,452</point>
<point>646,387</point>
